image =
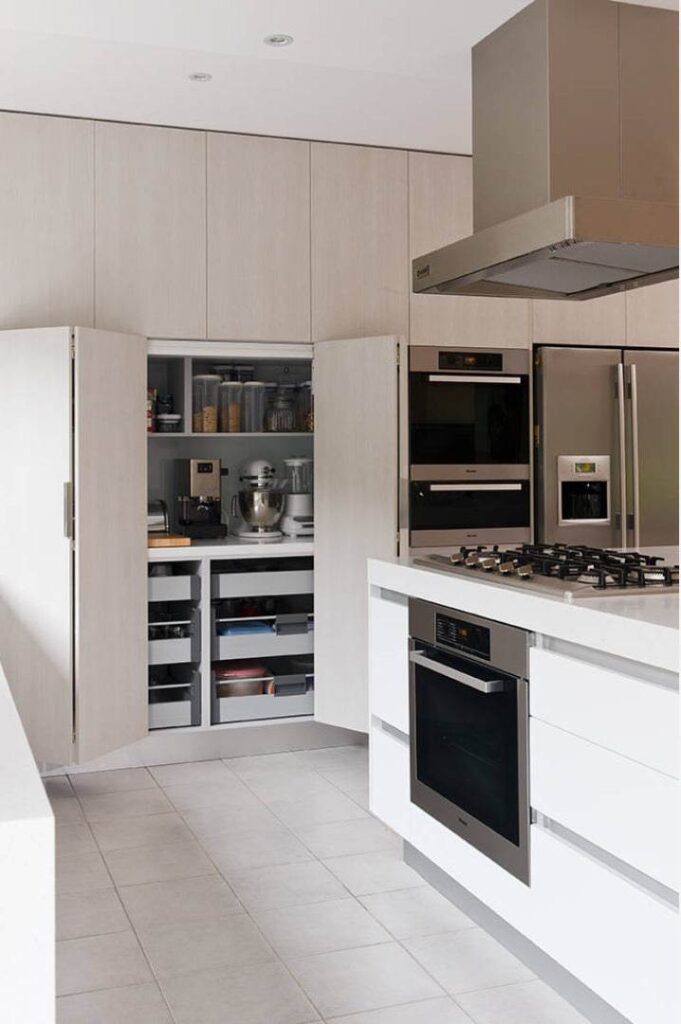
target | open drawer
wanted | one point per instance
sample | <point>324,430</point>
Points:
<point>174,697</point>
<point>184,584</point>
<point>178,649</point>
<point>290,693</point>
<point>283,635</point>
<point>263,578</point>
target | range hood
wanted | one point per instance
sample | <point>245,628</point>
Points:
<point>575,156</point>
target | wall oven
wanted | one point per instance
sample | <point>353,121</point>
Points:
<point>469,446</point>
<point>468,706</point>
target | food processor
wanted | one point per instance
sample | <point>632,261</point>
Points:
<point>298,518</point>
<point>259,504</point>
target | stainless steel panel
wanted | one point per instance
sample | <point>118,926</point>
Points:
<point>425,359</point>
<point>476,471</point>
<point>656,377</point>
<point>455,538</point>
<point>481,685</point>
<point>577,412</point>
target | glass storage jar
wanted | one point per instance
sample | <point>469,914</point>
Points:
<point>305,412</point>
<point>281,416</point>
<point>229,403</point>
<point>254,402</point>
<point>205,403</point>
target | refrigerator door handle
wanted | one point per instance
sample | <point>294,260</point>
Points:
<point>622,453</point>
<point>634,455</point>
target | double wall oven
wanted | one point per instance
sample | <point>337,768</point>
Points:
<point>468,705</point>
<point>469,446</point>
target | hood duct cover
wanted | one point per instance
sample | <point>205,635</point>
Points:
<point>575,156</point>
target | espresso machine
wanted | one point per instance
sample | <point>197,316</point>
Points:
<point>199,485</point>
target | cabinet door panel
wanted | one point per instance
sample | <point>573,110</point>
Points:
<point>111,543</point>
<point>360,271</point>
<point>258,238</point>
<point>589,322</point>
<point>46,221</point>
<point>653,316</point>
<point>150,247</point>
<point>35,552</point>
<point>440,212</point>
<point>355,451</point>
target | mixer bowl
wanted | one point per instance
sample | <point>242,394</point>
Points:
<point>261,509</point>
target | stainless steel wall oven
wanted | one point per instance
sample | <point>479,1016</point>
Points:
<point>469,446</point>
<point>469,730</point>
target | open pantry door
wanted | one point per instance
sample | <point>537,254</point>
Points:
<point>355,385</point>
<point>110,491</point>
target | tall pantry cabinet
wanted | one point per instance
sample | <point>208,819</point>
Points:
<point>73,542</point>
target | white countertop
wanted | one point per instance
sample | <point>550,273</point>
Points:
<point>643,627</point>
<point>22,794</point>
<point>236,547</point>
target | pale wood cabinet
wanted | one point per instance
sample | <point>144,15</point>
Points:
<point>150,241</point>
<point>46,220</point>
<point>440,212</point>
<point>360,259</point>
<point>258,238</point>
<point>588,322</point>
<point>653,315</point>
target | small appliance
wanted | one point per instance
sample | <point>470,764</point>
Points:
<point>259,504</point>
<point>200,501</point>
<point>298,518</point>
<point>157,516</point>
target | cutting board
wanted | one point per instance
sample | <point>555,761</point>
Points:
<point>167,540</point>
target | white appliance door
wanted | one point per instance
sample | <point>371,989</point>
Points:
<point>355,507</point>
<point>110,464</point>
<point>35,552</point>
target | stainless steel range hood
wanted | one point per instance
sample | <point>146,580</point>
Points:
<point>575,156</point>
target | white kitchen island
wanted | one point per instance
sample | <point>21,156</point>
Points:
<point>600,918</point>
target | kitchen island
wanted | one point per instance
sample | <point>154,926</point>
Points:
<point>599,919</point>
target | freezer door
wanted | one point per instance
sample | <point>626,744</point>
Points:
<point>653,447</point>
<point>578,415</point>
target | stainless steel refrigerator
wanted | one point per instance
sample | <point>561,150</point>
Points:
<point>606,446</point>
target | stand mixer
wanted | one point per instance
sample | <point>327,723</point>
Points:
<point>298,518</point>
<point>259,504</point>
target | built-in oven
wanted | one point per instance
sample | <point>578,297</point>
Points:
<point>469,730</point>
<point>469,446</point>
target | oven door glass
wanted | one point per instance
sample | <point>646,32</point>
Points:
<point>455,420</point>
<point>461,506</point>
<point>467,739</point>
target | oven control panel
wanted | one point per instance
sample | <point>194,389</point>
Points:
<point>462,636</point>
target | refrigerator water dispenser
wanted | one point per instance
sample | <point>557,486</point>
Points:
<point>583,489</point>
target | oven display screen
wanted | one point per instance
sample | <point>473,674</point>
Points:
<point>463,636</point>
<point>585,467</point>
<point>470,361</point>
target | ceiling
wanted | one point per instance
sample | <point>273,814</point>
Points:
<point>383,72</point>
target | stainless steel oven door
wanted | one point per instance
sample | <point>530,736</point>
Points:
<point>490,512</point>
<point>469,752</point>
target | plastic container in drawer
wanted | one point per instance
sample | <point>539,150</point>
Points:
<point>178,650</point>
<point>174,588</point>
<point>261,584</point>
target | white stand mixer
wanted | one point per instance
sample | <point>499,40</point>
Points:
<point>258,506</point>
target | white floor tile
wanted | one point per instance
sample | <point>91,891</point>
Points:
<point>286,784</point>
<point>253,995</point>
<point>316,808</point>
<point>66,810</point>
<point>255,849</point>
<point>264,764</point>
<point>90,913</point>
<point>75,838</point>
<point>134,1004</point>
<point>100,961</point>
<point>285,885</point>
<point>232,941</point>
<point>214,821</point>
<point>128,804</point>
<point>360,794</point>
<point>531,1002</point>
<point>343,838</point>
<point>432,1011</point>
<point>353,980</point>
<point>346,779</point>
<point>229,792</point>
<point>96,783</point>
<point>58,786</point>
<point>145,830</point>
<point>366,873</point>
<point>81,872</point>
<point>158,863</point>
<point>190,771</point>
<point>179,901</point>
<point>410,913</point>
<point>467,960</point>
<point>319,928</point>
<point>333,758</point>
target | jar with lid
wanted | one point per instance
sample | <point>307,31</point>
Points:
<point>305,414</point>
<point>281,416</point>
<point>205,403</point>
<point>229,406</point>
<point>254,402</point>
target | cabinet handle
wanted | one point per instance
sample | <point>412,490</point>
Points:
<point>68,510</point>
<point>622,452</point>
<point>449,378</point>
<point>476,487</point>
<point>634,455</point>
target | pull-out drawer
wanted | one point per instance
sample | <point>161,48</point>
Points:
<point>174,698</point>
<point>633,717</point>
<point>186,587</point>
<point>389,781</point>
<point>283,639</point>
<point>171,712</point>
<point>623,807</point>
<point>271,578</point>
<point>290,693</point>
<point>178,650</point>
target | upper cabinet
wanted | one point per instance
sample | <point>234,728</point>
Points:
<point>653,315</point>
<point>46,222</point>
<point>360,259</point>
<point>258,238</point>
<point>150,239</point>
<point>440,212</point>
<point>586,322</point>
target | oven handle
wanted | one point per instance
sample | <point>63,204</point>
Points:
<point>476,487</point>
<point>448,378</point>
<point>482,685</point>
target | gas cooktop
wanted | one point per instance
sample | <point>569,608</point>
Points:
<point>561,569</point>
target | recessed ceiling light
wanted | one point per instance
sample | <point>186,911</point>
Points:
<point>200,76</point>
<point>278,39</point>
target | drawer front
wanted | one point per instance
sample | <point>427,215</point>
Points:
<point>174,652</point>
<point>248,709</point>
<point>174,588</point>
<point>630,716</point>
<point>389,658</point>
<point>620,805</point>
<point>170,714</point>
<point>262,645</point>
<point>389,783</point>
<point>262,584</point>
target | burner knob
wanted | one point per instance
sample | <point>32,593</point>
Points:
<point>525,571</point>
<point>507,568</point>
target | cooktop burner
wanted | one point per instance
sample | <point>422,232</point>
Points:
<point>575,571</point>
